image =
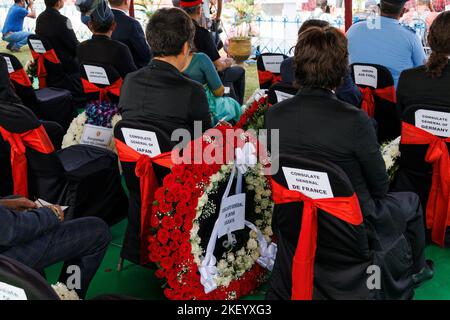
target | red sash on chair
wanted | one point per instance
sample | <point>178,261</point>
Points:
<point>20,77</point>
<point>148,185</point>
<point>438,206</point>
<point>344,208</point>
<point>114,89</point>
<point>368,100</point>
<point>267,76</point>
<point>49,55</point>
<point>36,139</point>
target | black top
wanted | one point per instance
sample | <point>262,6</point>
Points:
<point>130,33</point>
<point>315,123</point>
<point>161,95</point>
<point>416,87</point>
<point>203,42</point>
<point>57,30</point>
<point>101,49</point>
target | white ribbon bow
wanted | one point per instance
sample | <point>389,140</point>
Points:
<point>267,253</point>
<point>208,271</point>
<point>245,157</point>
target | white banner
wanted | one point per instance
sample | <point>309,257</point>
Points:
<point>281,96</point>
<point>37,45</point>
<point>314,184</point>
<point>232,214</point>
<point>9,64</point>
<point>8,292</point>
<point>96,75</point>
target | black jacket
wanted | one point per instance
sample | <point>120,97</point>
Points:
<point>315,123</point>
<point>161,95</point>
<point>101,49</point>
<point>130,33</point>
<point>57,29</point>
<point>416,87</point>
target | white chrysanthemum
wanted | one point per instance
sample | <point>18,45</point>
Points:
<point>253,234</point>
<point>241,252</point>
<point>252,244</point>
<point>268,231</point>
<point>230,257</point>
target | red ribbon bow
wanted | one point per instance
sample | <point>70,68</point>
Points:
<point>267,76</point>
<point>148,185</point>
<point>344,208</point>
<point>20,77</point>
<point>36,139</point>
<point>114,89</point>
<point>368,100</point>
<point>438,206</point>
<point>49,55</point>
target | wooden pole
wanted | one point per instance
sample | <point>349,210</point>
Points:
<point>131,11</point>
<point>348,14</point>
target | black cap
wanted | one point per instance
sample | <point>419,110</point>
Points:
<point>102,14</point>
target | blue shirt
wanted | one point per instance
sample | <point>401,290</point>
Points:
<point>14,19</point>
<point>391,45</point>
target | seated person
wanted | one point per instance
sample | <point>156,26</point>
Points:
<point>129,32</point>
<point>58,31</point>
<point>315,123</point>
<point>101,48</point>
<point>231,75</point>
<point>429,84</point>
<point>159,93</point>
<point>39,237</point>
<point>347,91</point>
<point>201,69</point>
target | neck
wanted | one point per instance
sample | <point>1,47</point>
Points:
<point>173,60</point>
<point>391,16</point>
<point>122,7</point>
<point>108,34</point>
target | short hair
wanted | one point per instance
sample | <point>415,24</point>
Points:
<point>50,3</point>
<point>116,3</point>
<point>391,8</point>
<point>321,58</point>
<point>313,23</point>
<point>101,26</point>
<point>191,10</point>
<point>168,30</point>
<point>17,1</point>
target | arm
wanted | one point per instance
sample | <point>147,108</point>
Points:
<point>32,13</point>
<point>69,39</point>
<point>219,10</point>
<point>199,108</point>
<point>212,77</point>
<point>221,65</point>
<point>139,43</point>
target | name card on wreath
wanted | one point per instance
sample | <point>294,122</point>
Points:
<point>9,292</point>
<point>366,76</point>
<point>37,45</point>
<point>96,136</point>
<point>96,75</point>
<point>434,122</point>
<point>281,96</point>
<point>314,184</point>
<point>232,214</point>
<point>142,141</point>
<point>272,63</point>
<point>9,64</point>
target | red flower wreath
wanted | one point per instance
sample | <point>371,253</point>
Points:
<point>253,113</point>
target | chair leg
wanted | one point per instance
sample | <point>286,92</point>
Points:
<point>120,264</point>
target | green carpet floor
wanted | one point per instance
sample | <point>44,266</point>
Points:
<point>139,282</point>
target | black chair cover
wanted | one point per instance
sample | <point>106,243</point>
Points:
<point>279,89</point>
<point>112,74</point>
<point>261,67</point>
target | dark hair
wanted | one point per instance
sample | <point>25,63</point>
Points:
<point>321,58</point>
<point>101,26</point>
<point>191,10</point>
<point>17,1</point>
<point>168,30</point>
<point>439,41</point>
<point>50,3</point>
<point>116,2</point>
<point>391,9</point>
<point>313,23</point>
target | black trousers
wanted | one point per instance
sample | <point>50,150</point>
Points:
<point>234,77</point>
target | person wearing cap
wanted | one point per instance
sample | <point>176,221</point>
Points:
<point>129,32</point>
<point>231,75</point>
<point>159,94</point>
<point>58,31</point>
<point>388,43</point>
<point>101,48</point>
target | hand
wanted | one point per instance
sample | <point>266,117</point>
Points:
<point>229,62</point>
<point>18,204</point>
<point>57,211</point>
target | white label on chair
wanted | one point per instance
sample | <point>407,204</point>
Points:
<point>96,136</point>
<point>232,214</point>
<point>8,292</point>
<point>226,90</point>
<point>37,45</point>
<point>272,63</point>
<point>366,76</point>
<point>142,141</point>
<point>314,184</point>
<point>96,75</point>
<point>9,64</point>
<point>434,122</point>
<point>282,95</point>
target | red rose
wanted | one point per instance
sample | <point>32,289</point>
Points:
<point>160,273</point>
<point>165,251</point>
<point>178,219</point>
<point>185,249</point>
<point>154,256</point>
<point>186,236</point>
<point>167,263</point>
<point>190,184</point>
<point>167,222</point>
<point>177,258</point>
<point>170,197</point>
<point>165,207</point>
<point>170,294</point>
<point>178,171</point>
<point>182,208</point>
<point>169,180</point>
<point>154,221</point>
<point>173,245</point>
<point>159,194</point>
<point>185,195</point>
<point>163,236</point>
<point>175,235</point>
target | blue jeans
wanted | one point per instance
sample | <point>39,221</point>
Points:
<point>17,39</point>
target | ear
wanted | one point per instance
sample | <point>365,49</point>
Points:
<point>186,48</point>
<point>113,27</point>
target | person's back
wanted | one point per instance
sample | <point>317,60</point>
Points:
<point>14,19</point>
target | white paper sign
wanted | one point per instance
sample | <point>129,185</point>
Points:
<point>142,141</point>
<point>314,184</point>
<point>96,75</point>
<point>9,64</point>
<point>42,203</point>
<point>8,292</point>
<point>37,45</point>
<point>434,122</point>
<point>232,214</point>
<point>282,95</point>
<point>96,136</point>
<point>366,76</point>
<point>226,90</point>
<point>272,63</point>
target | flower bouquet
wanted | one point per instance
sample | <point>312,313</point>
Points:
<point>391,152</point>
<point>253,116</point>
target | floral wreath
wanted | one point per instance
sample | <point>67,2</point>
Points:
<point>391,153</point>
<point>181,207</point>
<point>253,116</point>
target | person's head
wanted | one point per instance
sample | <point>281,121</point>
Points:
<point>122,4</point>
<point>57,4</point>
<point>192,7</point>
<point>102,20</point>
<point>170,32</point>
<point>313,23</point>
<point>439,42</point>
<point>321,58</point>
<point>392,8</point>
<point>323,4</point>
<point>19,3</point>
